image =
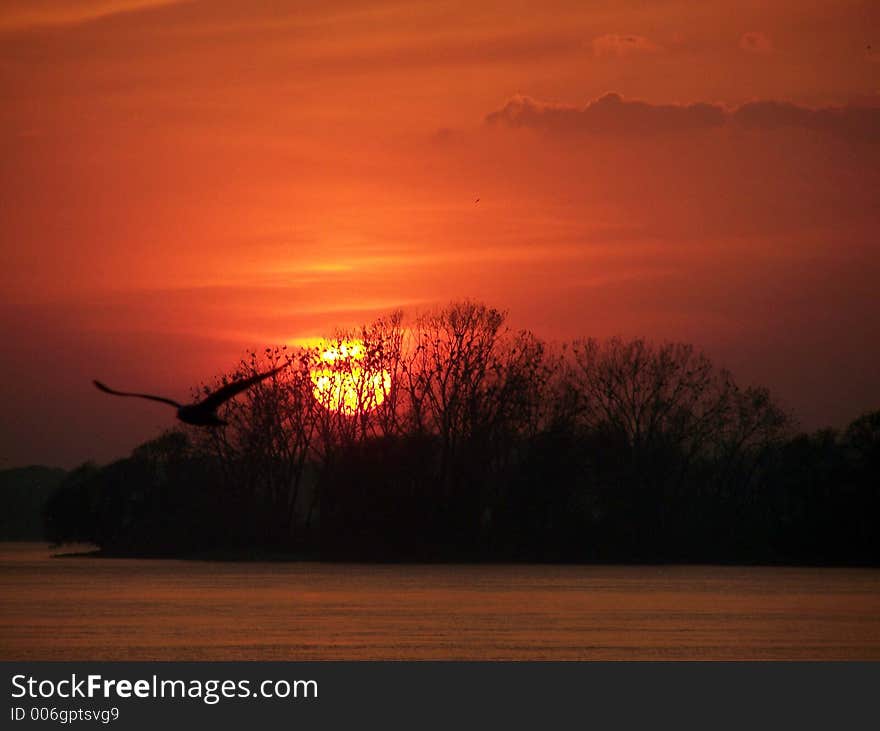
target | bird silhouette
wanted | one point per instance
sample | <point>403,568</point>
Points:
<point>204,412</point>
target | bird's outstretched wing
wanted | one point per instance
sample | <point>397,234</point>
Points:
<point>221,395</point>
<point>107,389</point>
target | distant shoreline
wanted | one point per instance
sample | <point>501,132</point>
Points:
<point>255,557</point>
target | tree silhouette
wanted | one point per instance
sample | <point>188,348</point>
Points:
<point>454,438</point>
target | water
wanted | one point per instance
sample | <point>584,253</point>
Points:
<point>115,609</point>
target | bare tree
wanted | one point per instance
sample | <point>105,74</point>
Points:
<point>673,409</point>
<point>264,451</point>
<point>447,370</point>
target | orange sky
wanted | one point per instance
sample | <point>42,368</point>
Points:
<point>183,180</point>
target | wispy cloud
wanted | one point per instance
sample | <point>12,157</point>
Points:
<point>612,114</point>
<point>616,44</point>
<point>18,15</point>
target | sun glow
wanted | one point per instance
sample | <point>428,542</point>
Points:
<point>344,380</point>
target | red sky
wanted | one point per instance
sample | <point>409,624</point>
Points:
<point>180,181</point>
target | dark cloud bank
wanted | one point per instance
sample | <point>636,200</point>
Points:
<point>612,114</point>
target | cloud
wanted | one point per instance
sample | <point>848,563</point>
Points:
<point>609,114</point>
<point>614,44</point>
<point>756,42</point>
<point>612,114</point>
<point>851,122</point>
<point>865,100</point>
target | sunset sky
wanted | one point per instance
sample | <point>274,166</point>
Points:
<point>180,181</point>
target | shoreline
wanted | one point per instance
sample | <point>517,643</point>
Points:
<point>246,558</point>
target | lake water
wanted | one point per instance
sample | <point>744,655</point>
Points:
<point>120,609</point>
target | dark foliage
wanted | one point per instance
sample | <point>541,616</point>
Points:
<point>482,444</point>
<point>23,495</point>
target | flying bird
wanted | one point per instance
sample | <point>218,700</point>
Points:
<point>204,412</point>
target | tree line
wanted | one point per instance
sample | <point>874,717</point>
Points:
<point>456,438</point>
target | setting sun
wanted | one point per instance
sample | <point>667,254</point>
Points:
<point>343,380</point>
